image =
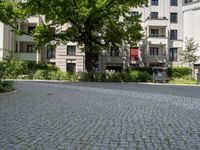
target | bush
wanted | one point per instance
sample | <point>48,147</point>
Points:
<point>132,76</point>
<point>23,69</point>
<point>53,75</point>
<point>179,72</point>
<point>6,86</point>
<point>139,76</point>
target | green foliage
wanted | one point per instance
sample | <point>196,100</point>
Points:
<point>132,76</point>
<point>6,86</point>
<point>189,53</point>
<point>183,81</point>
<point>179,72</point>
<point>22,69</point>
<point>53,75</point>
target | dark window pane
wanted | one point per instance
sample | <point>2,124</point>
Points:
<point>71,50</point>
<point>50,51</point>
<point>154,51</point>
<point>114,51</point>
<point>188,1</point>
<point>154,33</point>
<point>154,2</point>
<point>173,18</point>
<point>71,67</point>
<point>174,2</point>
<point>30,29</point>
<point>173,34</point>
<point>30,48</point>
<point>173,54</point>
<point>154,15</point>
<point>134,13</point>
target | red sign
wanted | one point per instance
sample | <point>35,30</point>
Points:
<point>134,53</point>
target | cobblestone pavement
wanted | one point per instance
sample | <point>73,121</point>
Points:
<point>53,116</point>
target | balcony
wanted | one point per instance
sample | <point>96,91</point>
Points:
<point>24,38</point>
<point>156,58</point>
<point>163,21</point>
<point>157,39</point>
<point>27,56</point>
<point>34,19</point>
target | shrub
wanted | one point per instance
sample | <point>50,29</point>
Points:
<point>179,72</point>
<point>41,75</point>
<point>6,86</point>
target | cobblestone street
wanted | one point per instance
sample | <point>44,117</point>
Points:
<point>61,116</point>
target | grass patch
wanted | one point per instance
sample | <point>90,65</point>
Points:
<point>183,81</point>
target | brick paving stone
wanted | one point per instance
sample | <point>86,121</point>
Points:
<point>60,116</point>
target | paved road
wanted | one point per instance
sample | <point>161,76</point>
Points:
<point>99,116</point>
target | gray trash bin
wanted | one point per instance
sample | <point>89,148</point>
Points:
<point>198,78</point>
<point>160,74</point>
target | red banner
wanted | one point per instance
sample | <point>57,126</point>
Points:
<point>134,53</point>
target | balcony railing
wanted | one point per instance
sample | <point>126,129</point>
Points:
<point>157,35</point>
<point>156,58</point>
<point>156,18</point>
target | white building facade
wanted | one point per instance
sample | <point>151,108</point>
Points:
<point>191,24</point>
<point>162,22</point>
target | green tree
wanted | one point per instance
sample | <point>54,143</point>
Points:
<point>94,24</point>
<point>189,54</point>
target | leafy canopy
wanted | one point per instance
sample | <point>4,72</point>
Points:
<point>92,22</point>
<point>95,24</point>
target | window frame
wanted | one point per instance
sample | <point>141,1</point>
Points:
<point>154,51</point>
<point>172,37</point>
<point>154,15</point>
<point>172,17</point>
<point>32,48</point>
<point>173,56</point>
<point>154,2</point>
<point>73,53</point>
<point>174,2</point>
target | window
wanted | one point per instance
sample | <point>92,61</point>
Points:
<point>173,18</point>
<point>71,67</point>
<point>188,1</point>
<point>174,2</point>
<point>154,15</point>
<point>154,2</point>
<point>50,51</point>
<point>71,50</point>
<point>114,51</point>
<point>16,47</point>
<point>30,29</point>
<point>134,13</point>
<point>173,54</point>
<point>30,48</point>
<point>154,33</point>
<point>173,34</point>
<point>154,51</point>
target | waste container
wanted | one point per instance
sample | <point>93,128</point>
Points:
<point>160,74</point>
<point>198,78</point>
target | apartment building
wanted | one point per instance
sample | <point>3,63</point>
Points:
<point>162,22</point>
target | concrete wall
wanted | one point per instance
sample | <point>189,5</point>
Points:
<point>191,25</point>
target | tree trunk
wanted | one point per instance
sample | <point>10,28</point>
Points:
<point>91,58</point>
<point>88,62</point>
